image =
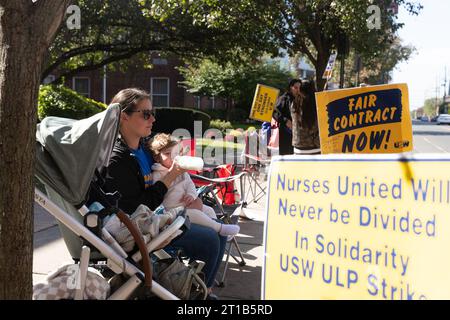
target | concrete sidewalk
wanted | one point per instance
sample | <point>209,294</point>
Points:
<point>244,282</point>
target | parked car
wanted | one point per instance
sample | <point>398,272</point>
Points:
<point>425,118</point>
<point>443,119</point>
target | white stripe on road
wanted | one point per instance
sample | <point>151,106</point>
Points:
<point>436,146</point>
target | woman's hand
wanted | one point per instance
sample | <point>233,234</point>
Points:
<point>289,124</point>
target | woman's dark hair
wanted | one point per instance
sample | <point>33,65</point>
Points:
<point>308,107</point>
<point>293,82</point>
<point>129,98</point>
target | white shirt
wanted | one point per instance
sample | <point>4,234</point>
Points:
<point>182,186</point>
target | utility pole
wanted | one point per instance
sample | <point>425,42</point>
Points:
<point>445,91</point>
<point>436,100</point>
<point>446,105</point>
<point>342,73</point>
<point>104,85</point>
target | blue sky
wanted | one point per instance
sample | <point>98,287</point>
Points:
<point>430,34</point>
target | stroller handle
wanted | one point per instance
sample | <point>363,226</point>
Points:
<point>147,266</point>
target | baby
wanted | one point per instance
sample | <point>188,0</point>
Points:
<point>182,192</point>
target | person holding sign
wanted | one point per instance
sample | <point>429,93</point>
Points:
<point>305,127</point>
<point>282,114</point>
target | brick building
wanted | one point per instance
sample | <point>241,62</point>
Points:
<point>161,81</point>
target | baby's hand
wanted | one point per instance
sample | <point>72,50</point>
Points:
<point>188,199</point>
<point>195,204</point>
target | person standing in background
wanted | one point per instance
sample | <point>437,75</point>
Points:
<point>305,127</point>
<point>282,114</point>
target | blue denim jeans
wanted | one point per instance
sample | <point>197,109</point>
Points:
<point>205,244</point>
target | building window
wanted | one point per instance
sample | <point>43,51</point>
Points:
<point>82,85</point>
<point>159,61</point>
<point>211,103</point>
<point>197,102</point>
<point>160,92</point>
<point>304,74</point>
<point>48,79</point>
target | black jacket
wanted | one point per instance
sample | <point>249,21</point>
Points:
<point>282,113</point>
<point>282,110</point>
<point>124,175</point>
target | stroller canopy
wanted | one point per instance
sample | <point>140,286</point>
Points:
<point>69,151</point>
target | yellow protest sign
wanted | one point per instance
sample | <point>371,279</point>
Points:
<point>372,119</point>
<point>263,103</point>
<point>357,227</point>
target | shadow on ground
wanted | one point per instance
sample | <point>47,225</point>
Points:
<point>244,282</point>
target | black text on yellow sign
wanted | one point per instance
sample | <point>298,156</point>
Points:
<point>365,120</point>
<point>357,227</point>
<point>263,103</point>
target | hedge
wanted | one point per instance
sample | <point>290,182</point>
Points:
<point>60,101</point>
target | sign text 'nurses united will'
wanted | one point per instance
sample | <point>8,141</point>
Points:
<point>358,227</point>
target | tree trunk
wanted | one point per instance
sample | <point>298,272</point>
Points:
<point>26,29</point>
<point>342,73</point>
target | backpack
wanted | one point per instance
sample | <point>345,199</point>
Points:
<point>181,280</point>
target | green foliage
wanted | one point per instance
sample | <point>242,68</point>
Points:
<point>430,106</point>
<point>240,112</point>
<point>221,125</point>
<point>376,69</point>
<point>121,33</point>
<point>235,114</point>
<point>244,126</point>
<point>60,101</point>
<point>217,113</point>
<point>234,81</point>
<point>316,27</point>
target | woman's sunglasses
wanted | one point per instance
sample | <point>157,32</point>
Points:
<point>146,114</point>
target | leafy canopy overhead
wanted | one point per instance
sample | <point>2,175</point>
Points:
<point>114,30</point>
<point>222,30</point>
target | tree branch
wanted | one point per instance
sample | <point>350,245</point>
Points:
<point>114,47</point>
<point>298,38</point>
<point>95,66</point>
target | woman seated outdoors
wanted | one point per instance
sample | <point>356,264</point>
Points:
<point>129,172</point>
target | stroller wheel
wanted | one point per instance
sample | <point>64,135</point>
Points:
<point>221,284</point>
<point>242,263</point>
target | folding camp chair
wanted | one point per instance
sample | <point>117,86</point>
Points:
<point>217,188</point>
<point>220,193</point>
<point>70,155</point>
<point>256,158</point>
